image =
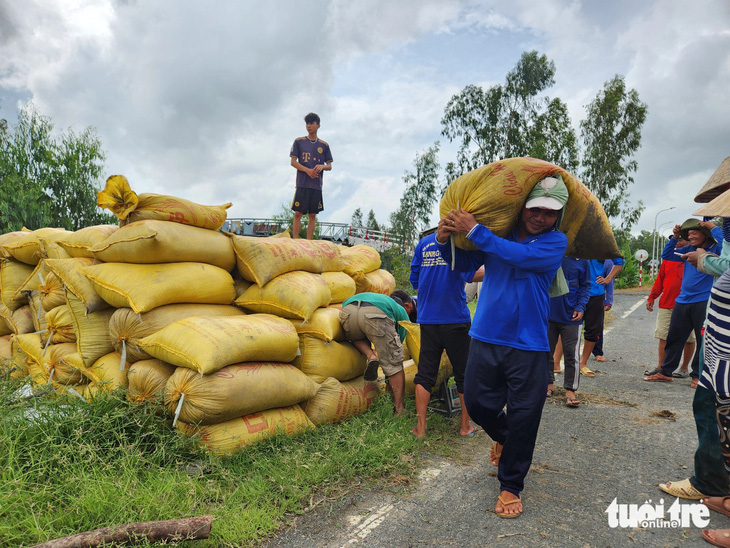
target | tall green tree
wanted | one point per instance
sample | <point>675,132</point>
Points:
<point>372,221</point>
<point>48,179</point>
<point>356,218</point>
<point>422,190</point>
<point>611,134</point>
<point>510,120</point>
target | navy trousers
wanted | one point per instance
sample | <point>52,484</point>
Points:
<point>685,319</point>
<point>711,477</point>
<point>497,376</point>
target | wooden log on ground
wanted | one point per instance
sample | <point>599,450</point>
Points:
<point>153,531</point>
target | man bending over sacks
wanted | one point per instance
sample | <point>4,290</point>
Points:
<point>373,318</point>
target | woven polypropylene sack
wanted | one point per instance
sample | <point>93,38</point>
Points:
<point>28,248</point>
<point>108,373</point>
<point>92,330</point>
<point>69,272</point>
<point>260,260</point>
<point>319,359</point>
<point>231,436</point>
<point>12,361</point>
<point>143,287</point>
<point>294,295</point>
<point>324,324</point>
<point>341,285</point>
<point>60,325</point>
<point>59,371</point>
<point>360,259</point>
<point>236,390</point>
<point>19,320</point>
<point>496,193</point>
<point>336,401</point>
<point>147,380</point>
<point>377,281</point>
<point>78,244</point>
<point>13,275</point>
<point>159,207</point>
<point>150,242</point>
<point>126,328</point>
<point>207,344</point>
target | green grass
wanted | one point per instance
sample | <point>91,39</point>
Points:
<point>68,466</point>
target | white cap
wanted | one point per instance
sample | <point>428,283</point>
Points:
<point>545,201</point>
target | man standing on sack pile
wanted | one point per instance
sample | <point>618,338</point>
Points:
<point>373,318</point>
<point>509,351</point>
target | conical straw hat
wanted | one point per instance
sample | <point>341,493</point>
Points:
<point>719,207</point>
<point>718,183</point>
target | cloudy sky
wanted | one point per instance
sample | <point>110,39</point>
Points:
<point>203,99</point>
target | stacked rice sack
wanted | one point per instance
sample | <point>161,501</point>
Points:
<point>304,281</point>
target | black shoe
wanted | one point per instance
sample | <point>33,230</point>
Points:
<point>371,371</point>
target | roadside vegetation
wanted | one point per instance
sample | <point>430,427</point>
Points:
<point>69,466</point>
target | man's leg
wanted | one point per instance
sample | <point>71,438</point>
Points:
<point>570,335</point>
<point>423,396</point>
<point>711,477</point>
<point>593,327</point>
<point>680,326</point>
<point>456,340</point>
<point>397,383</point>
<point>296,224</point>
<point>698,312</point>
<point>689,352</point>
<point>310,226</point>
<point>553,336</point>
<point>662,352</point>
<point>429,361</point>
<point>364,347</point>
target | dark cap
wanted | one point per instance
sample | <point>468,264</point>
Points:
<point>694,224</point>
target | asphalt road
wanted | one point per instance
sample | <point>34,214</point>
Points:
<point>617,445</point>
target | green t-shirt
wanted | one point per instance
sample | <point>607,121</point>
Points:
<point>391,308</point>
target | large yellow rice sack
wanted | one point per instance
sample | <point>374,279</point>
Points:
<point>324,324</point>
<point>126,328</point>
<point>413,339</point>
<point>291,295</point>
<point>159,207</point>
<point>341,285</point>
<point>60,325</point>
<point>377,281</point>
<point>319,359</point>
<point>410,369</point>
<point>54,251</point>
<point>13,275</point>
<point>360,259</point>
<point>10,238</point>
<point>78,244</point>
<point>207,344</point>
<point>495,194</point>
<point>29,344</point>
<point>338,401</point>
<point>107,372</point>
<point>19,321</point>
<point>147,380</point>
<point>260,260</point>
<point>124,203</point>
<point>241,286</point>
<point>143,287</point>
<point>12,361</point>
<point>37,314</point>
<point>28,248</point>
<point>235,390</point>
<point>51,292</point>
<point>231,436</point>
<point>59,371</point>
<point>152,242</point>
<point>70,273</point>
<point>92,330</point>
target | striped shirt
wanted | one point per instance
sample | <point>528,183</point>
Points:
<point>716,371</point>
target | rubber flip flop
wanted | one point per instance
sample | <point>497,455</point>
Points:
<point>504,506</point>
<point>572,402</point>
<point>717,504</point>
<point>472,433</point>
<point>587,372</point>
<point>371,371</point>
<point>680,374</point>
<point>682,489</point>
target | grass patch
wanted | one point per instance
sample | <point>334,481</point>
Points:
<point>69,466</point>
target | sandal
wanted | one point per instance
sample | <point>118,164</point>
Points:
<point>572,402</point>
<point>587,372</point>
<point>680,374</point>
<point>717,504</point>
<point>682,489</point>
<point>371,371</point>
<point>654,371</point>
<point>505,504</point>
<point>717,537</point>
<point>495,454</point>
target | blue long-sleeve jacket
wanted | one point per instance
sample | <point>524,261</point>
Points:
<point>441,295</point>
<point>578,277</point>
<point>514,302</point>
<point>696,286</point>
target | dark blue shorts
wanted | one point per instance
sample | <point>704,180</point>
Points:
<point>307,200</point>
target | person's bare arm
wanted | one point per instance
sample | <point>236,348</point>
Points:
<point>323,167</point>
<point>299,167</point>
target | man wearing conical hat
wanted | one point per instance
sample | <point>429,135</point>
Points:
<point>508,356</point>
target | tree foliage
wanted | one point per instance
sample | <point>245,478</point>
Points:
<point>611,134</point>
<point>509,120</point>
<point>422,190</point>
<point>48,180</point>
<point>356,218</point>
<point>372,222</point>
